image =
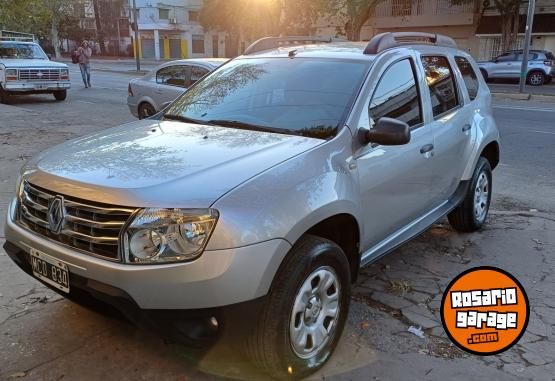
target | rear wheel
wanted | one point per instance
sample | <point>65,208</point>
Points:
<point>305,311</point>
<point>146,110</point>
<point>536,78</point>
<point>471,214</point>
<point>60,95</point>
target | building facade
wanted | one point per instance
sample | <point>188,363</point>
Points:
<point>171,29</point>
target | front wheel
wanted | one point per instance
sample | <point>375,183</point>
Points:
<point>536,78</point>
<point>60,95</point>
<point>146,110</point>
<point>471,214</point>
<point>4,96</point>
<point>305,311</point>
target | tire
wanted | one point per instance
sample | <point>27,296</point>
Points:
<point>471,214</point>
<point>484,74</point>
<point>146,110</point>
<point>60,95</point>
<point>270,345</point>
<point>535,78</point>
<point>4,96</point>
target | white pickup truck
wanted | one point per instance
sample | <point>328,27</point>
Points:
<point>26,69</point>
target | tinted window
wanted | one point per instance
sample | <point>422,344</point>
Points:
<point>197,73</point>
<point>469,76</point>
<point>506,57</point>
<point>441,84</point>
<point>174,76</point>
<point>301,96</point>
<point>396,95</point>
<point>531,56</point>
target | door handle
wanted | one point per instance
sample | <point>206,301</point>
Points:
<point>427,148</point>
<point>466,127</point>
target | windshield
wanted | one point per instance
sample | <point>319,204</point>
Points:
<point>301,96</point>
<point>19,50</point>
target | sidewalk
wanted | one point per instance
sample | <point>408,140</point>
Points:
<point>118,65</point>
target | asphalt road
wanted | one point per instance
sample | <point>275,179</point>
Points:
<point>45,337</point>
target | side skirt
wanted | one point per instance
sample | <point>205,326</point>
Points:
<point>416,227</point>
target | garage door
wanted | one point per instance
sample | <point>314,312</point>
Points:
<point>147,47</point>
<point>175,48</point>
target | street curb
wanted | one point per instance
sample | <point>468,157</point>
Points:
<point>524,97</point>
<point>128,72</point>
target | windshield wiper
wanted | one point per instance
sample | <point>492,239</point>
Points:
<point>253,127</point>
<point>184,119</point>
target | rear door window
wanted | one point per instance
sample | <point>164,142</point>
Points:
<point>469,76</point>
<point>441,84</point>
<point>397,95</point>
<point>178,75</point>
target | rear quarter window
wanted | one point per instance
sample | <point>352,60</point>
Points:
<point>469,76</point>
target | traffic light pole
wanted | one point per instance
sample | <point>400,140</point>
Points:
<point>528,34</point>
<point>136,42</point>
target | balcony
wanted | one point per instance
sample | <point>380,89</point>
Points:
<point>421,13</point>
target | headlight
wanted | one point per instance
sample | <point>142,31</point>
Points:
<point>64,74</point>
<point>168,235</point>
<point>11,74</point>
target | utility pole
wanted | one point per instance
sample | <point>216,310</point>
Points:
<point>137,58</point>
<point>527,37</point>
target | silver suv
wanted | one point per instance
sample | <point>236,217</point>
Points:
<point>541,67</point>
<point>266,186</point>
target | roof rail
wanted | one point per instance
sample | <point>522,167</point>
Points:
<point>17,39</point>
<point>388,40</point>
<point>268,43</point>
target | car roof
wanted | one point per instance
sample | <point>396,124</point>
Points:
<point>214,62</point>
<point>347,50</point>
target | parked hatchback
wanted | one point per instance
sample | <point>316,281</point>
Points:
<point>147,95</point>
<point>541,67</point>
<point>251,202</point>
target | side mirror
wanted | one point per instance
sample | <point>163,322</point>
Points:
<point>386,132</point>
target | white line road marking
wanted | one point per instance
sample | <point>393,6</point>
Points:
<point>543,132</point>
<point>525,108</point>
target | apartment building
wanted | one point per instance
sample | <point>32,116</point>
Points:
<point>171,29</point>
<point>543,30</point>
<point>483,41</point>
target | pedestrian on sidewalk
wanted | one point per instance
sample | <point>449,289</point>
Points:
<point>84,52</point>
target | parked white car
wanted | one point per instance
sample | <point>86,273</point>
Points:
<point>148,95</point>
<point>26,69</point>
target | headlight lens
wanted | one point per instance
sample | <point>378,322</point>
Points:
<point>11,74</point>
<point>168,235</point>
<point>64,74</point>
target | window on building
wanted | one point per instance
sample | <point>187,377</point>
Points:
<point>198,43</point>
<point>469,76</point>
<point>396,95</point>
<point>163,14</point>
<point>441,84</point>
<point>401,7</point>
<point>194,16</point>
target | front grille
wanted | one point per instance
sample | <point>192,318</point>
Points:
<point>39,74</point>
<point>90,227</point>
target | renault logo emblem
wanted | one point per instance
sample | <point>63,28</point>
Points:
<point>56,214</point>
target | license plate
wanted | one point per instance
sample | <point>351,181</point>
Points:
<point>50,270</point>
<point>41,87</point>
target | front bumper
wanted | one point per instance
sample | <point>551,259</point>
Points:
<point>17,86</point>
<point>217,278</point>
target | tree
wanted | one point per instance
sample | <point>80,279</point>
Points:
<point>41,17</point>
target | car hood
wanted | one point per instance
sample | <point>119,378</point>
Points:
<point>161,164</point>
<point>28,63</point>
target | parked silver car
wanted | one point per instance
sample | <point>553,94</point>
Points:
<point>541,67</point>
<point>252,201</point>
<point>147,95</point>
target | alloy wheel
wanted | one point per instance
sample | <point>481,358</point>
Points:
<point>481,197</point>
